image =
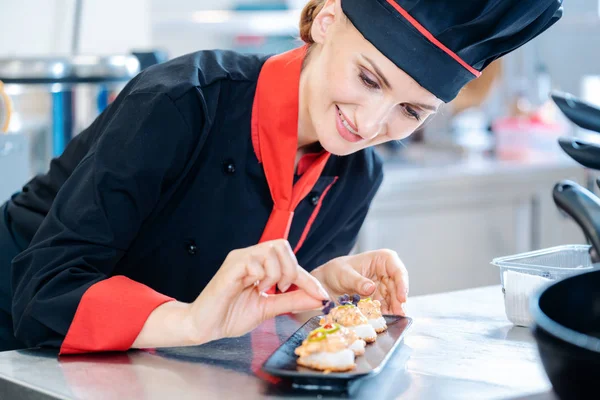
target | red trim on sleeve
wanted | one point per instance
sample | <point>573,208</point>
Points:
<point>313,216</point>
<point>110,316</point>
<point>432,38</point>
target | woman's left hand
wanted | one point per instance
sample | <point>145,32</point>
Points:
<point>379,274</point>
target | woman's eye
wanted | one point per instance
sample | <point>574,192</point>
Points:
<point>369,83</point>
<point>410,112</point>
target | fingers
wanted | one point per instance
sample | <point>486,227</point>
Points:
<point>274,263</point>
<point>310,285</point>
<point>388,270</point>
<point>386,294</point>
<point>289,266</point>
<point>395,268</point>
<point>394,279</point>
<point>261,264</point>
<point>387,264</point>
<point>394,303</point>
<point>291,302</point>
<point>254,272</point>
<point>272,267</point>
<point>291,272</point>
<point>340,276</point>
<point>353,282</point>
<point>383,296</point>
<point>400,280</point>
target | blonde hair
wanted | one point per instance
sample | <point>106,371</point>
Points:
<point>309,12</point>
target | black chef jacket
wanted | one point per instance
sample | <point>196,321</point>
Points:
<point>159,189</point>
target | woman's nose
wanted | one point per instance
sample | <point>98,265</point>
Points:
<point>373,121</point>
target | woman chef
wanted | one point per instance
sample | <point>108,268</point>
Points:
<point>214,182</point>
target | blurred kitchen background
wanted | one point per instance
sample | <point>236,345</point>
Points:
<point>475,183</point>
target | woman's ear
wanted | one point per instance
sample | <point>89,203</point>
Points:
<point>323,21</point>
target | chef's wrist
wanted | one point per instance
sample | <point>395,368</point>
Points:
<point>200,322</point>
<point>171,324</point>
<point>190,328</point>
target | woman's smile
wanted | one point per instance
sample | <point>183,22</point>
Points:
<point>345,128</point>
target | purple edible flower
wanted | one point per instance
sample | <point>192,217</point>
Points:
<point>344,298</point>
<point>330,304</point>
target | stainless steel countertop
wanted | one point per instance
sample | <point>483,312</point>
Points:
<point>460,346</point>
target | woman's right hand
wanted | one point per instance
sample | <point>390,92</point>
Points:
<point>233,303</point>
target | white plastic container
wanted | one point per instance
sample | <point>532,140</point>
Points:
<point>523,274</point>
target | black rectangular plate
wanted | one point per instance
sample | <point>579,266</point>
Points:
<point>282,362</point>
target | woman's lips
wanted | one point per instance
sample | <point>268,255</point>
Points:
<point>344,132</point>
<point>353,127</point>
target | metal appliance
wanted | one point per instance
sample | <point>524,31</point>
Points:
<point>53,99</point>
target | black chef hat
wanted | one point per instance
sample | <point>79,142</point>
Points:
<point>444,44</point>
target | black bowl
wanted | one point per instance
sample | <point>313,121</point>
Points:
<point>566,328</point>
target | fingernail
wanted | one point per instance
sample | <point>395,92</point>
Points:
<point>285,287</point>
<point>367,287</point>
<point>323,292</point>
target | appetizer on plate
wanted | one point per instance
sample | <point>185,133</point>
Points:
<point>357,345</point>
<point>348,315</point>
<point>372,310</point>
<point>330,348</point>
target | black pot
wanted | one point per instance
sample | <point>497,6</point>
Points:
<point>566,327</point>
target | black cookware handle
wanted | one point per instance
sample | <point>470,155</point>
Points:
<point>585,153</point>
<point>582,206</point>
<point>581,113</point>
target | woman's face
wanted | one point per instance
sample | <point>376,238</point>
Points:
<point>355,97</point>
